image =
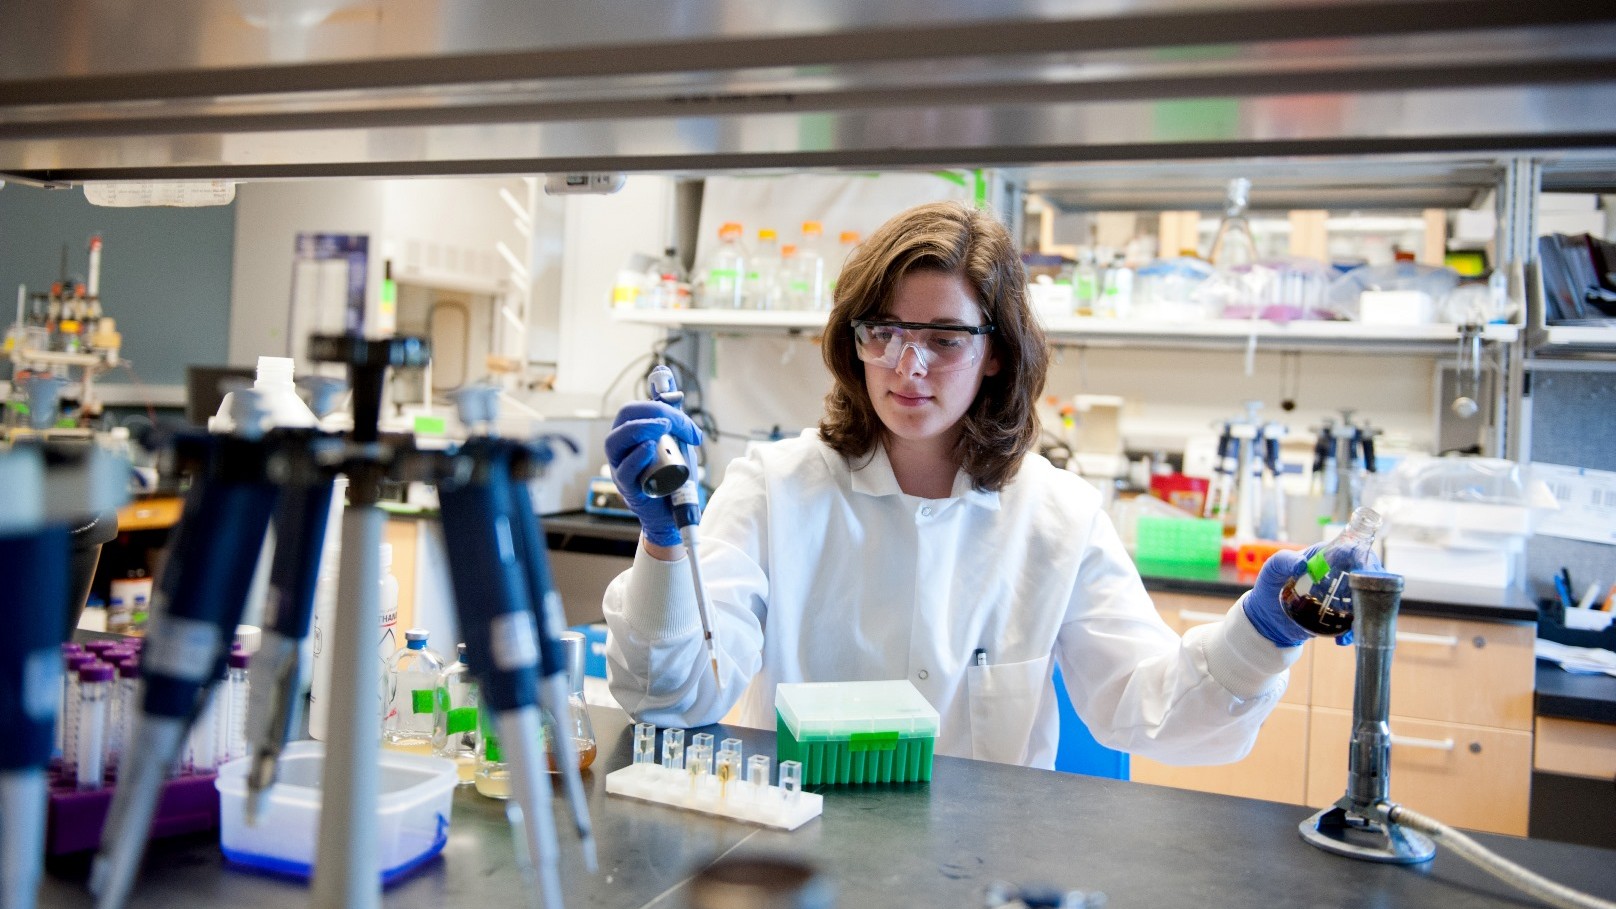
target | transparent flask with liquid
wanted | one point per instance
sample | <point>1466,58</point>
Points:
<point>1321,600</point>
<point>454,718</point>
<point>493,776</point>
<point>410,692</point>
<point>577,723</point>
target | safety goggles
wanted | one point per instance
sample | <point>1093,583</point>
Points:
<point>941,348</point>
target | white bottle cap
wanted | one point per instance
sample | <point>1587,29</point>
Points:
<point>274,370</point>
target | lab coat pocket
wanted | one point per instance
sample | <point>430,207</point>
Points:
<point>1004,704</point>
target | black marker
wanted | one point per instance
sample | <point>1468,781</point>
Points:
<point>980,657</point>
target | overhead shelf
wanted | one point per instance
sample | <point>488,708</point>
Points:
<point>1226,334</point>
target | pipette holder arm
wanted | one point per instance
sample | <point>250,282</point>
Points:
<point>1358,825</point>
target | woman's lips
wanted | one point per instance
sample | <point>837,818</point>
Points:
<point>910,400</point>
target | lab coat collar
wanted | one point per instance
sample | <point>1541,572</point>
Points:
<point>874,477</point>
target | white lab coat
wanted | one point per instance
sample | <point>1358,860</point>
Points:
<point>817,572</point>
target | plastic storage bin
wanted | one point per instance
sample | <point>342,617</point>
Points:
<point>856,732</point>
<point>415,796</point>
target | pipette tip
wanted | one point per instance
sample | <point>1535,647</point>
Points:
<point>587,844</point>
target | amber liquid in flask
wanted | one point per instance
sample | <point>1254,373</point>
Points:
<point>1320,600</point>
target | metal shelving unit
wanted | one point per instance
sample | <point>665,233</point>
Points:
<point>1222,334</point>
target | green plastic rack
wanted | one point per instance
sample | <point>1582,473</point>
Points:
<point>852,733</point>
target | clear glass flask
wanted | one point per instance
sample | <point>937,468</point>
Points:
<point>1320,600</point>
<point>577,723</point>
<point>493,777</point>
<point>1234,246</point>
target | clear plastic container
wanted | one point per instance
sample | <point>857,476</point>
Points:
<point>415,797</point>
<point>411,695</point>
<point>724,276</point>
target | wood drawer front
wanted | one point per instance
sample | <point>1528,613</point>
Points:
<point>1275,769</point>
<point>1449,670</point>
<point>1575,748</point>
<point>1183,611</point>
<point>1487,789</point>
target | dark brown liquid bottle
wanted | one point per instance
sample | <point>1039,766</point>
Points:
<point>1320,599</point>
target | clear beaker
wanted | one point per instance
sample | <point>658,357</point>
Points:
<point>577,723</point>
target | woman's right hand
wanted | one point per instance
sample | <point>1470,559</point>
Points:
<point>630,449</point>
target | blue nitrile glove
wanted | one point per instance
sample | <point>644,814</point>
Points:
<point>1262,604</point>
<point>630,449</point>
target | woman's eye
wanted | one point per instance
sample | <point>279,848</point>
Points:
<point>883,335</point>
<point>948,343</point>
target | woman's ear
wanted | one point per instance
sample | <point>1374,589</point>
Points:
<point>991,365</point>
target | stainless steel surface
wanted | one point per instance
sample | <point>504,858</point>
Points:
<point>939,844</point>
<point>250,88</point>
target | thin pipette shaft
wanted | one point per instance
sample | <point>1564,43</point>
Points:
<point>688,535</point>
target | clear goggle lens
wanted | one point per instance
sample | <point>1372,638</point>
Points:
<point>940,348</point>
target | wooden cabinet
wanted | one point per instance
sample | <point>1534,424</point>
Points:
<point>1275,770</point>
<point>1475,777</point>
<point>1461,721</point>
<point>1575,748</point>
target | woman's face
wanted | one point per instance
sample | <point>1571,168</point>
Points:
<point>917,405</point>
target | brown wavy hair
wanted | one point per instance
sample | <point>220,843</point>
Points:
<point>1000,426</point>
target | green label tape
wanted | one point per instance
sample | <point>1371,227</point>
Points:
<point>491,752</point>
<point>462,719</point>
<point>1317,567</point>
<point>873,741</point>
<point>421,699</point>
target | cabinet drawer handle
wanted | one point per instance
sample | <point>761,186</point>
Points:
<point>1432,744</point>
<point>1440,640</point>
<point>1199,618</point>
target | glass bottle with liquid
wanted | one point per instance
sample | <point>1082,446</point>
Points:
<point>493,776</point>
<point>411,691</point>
<point>1320,600</point>
<point>577,723</point>
<point>454,718</point>
<point>723,278</point>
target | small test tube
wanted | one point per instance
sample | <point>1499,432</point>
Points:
<point>702,738</point>
<point>121,719</point>
<point>68,716</point>
<point>757,771</point>
<point>791,781</point>
<point>233,729</point>
<point>729,769</point>
<point>95,690</point>
<point>698,763</point>
<point>729,745</point>
<point>644,743</point>
<point>673,749</point>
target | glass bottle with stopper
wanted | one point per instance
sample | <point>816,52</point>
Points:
<point>1320,600</point>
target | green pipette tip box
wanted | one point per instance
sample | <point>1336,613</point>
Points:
<point>852,733</point>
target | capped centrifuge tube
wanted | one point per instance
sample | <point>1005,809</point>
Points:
<point>729,745</point>
<point>673,749</point>
<point>644,743</point>
<point>95,691</point>
<point>702,738</point>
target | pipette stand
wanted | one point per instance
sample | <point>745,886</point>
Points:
<point>347,876</point>
<point>740,800</point>
<point>1357,825</point>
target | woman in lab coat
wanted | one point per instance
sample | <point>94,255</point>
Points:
<point>916,535</point>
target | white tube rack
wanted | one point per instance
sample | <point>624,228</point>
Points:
<point>769,806</point>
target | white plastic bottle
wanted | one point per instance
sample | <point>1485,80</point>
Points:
<point>411,695</point>
<point>283,408</point>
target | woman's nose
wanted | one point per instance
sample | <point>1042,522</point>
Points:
<point>911,366</point>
